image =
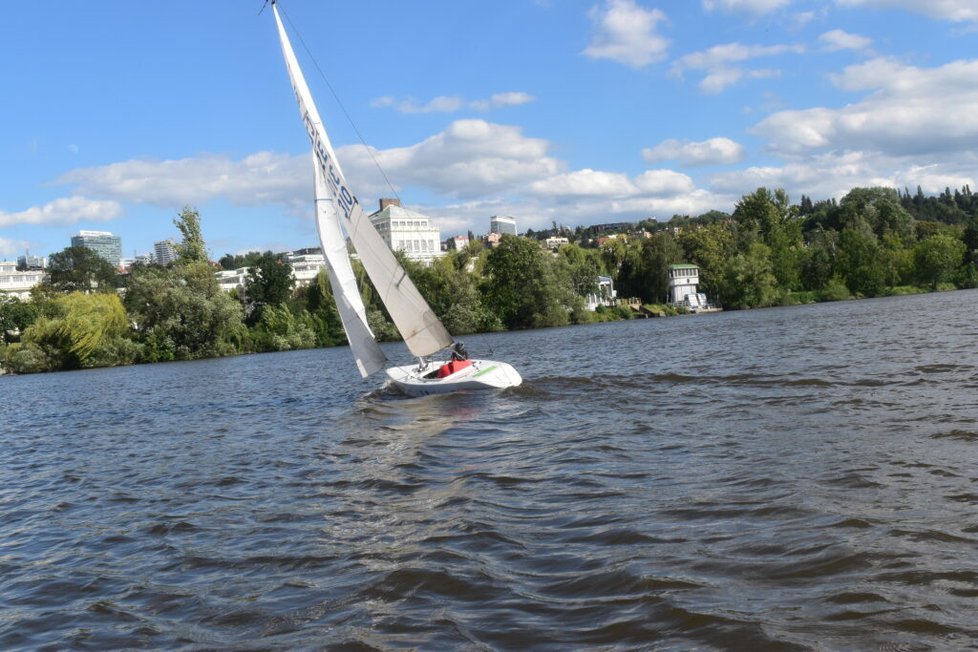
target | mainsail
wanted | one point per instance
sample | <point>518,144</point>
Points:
<point>423,332</point>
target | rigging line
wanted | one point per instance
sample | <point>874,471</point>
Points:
<point>339,102</point>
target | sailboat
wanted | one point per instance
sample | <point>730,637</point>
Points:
<point>338,210</point>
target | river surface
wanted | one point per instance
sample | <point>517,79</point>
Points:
<point>783,479</point>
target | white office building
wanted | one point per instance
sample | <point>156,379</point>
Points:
<point>503,225</point>
<point>407,231</point>
<point>103,243</point>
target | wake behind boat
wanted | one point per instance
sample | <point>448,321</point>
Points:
<point>339,211</point>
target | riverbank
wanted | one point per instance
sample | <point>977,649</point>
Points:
<point>29,363</point>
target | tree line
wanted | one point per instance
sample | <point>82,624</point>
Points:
<point>872,242</point>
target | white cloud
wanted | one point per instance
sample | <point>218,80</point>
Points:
<point>258,178</point>
<point>585,182</point>
<point>626,32</point>
<point>838,39</point>
<point>451,104</point>
<point>11,247</point>
<point>440,104</point>
<point>471,158</point>
<point>719,79</point>
<point>834,174</point>
<point>954,10</point>
<point>716,62</point>
<point>720,55</point>
<point>501,100</point>
<point>664,183</point>
<point>66,210</point>
<point>707,152</point>
<point>908,111</point>
<point>748,6</point>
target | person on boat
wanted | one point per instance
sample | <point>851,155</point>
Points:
<point>459,361</point>
<point>459,352</point>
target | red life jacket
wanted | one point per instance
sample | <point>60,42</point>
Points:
<point>449,368</point>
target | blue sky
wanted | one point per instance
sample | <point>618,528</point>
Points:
<point>117,113</point>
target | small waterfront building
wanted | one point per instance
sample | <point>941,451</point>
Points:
<point>103,243</point>
<point>683,283</point>
<point>18,284</point>
<point>606,294</point>
<point>503,225</point>
<point>407,231</point>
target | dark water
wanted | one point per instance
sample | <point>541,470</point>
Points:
<point>799,478</point>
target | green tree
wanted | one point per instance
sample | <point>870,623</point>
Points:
<point>771,216</point>
<point>317,301</point>
<point>521,287</point>
<point>861,262</point>
<point>645,270</point>
<point>819,263</point>
<point>82,324</point>
<point>270,283</point>
<point>192,248</point>
<point>749,280</point>
<point>16,315</point>
<point>881,209</point>
<point>181,313</point>
<point>708,247</point>
<point>938,257</point>
<point>80,269</point>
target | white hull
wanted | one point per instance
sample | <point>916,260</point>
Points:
<point>482,374</point>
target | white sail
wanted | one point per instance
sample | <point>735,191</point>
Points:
<point>349,304</point>
<point>423,332</point>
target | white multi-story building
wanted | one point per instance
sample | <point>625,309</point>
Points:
<point>18,284</point>
<point>306,265</point>
<point>407,231</point>
<point>232,279</point>
<point>503,225</point>
<point>164,252</point>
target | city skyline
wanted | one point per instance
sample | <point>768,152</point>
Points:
<point>578,112</point>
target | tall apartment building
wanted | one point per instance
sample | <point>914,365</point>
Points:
<point>103,243</point>
<point>164,252</point>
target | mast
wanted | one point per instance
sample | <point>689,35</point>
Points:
<point>423,332</point>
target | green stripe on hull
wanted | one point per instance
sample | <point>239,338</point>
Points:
<point>484,371</point>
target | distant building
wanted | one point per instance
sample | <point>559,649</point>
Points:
<point>554,243</point>
<point>503,225</point>
<point>164,252</point>
<point>18,284</point>
<point>458,243</point>
<point>492,240</point>
<point>232,280</point>
<point>306,266</point>
<point>29,262</point>
<point>103,243</point>
<point>407,231</point>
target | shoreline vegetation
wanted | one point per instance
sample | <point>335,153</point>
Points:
<point>767,252</point>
